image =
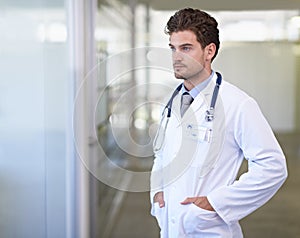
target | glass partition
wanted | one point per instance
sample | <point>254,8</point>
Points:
<point>33,101</point>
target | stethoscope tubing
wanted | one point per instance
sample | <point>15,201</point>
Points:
<point>213,100</point>
<point>209,113</point>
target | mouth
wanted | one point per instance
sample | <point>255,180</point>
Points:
<point>178,66</point>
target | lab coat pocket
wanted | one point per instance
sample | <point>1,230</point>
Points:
<point>199,221</point>
<point>206,153</point>
<point>199,158</point>
<point>198,139</point>
<point>198,132</point>
<point>158,213</point>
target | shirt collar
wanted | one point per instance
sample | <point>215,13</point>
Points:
<point>198,88</point>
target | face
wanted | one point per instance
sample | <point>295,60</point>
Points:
<point>190,61</point>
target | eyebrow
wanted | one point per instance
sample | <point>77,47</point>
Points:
<point>183,45</point>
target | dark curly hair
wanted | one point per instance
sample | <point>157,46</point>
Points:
<point>201,23</point>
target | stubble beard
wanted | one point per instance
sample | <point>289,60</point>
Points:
<point>179,76</point>
<point>186,76</point>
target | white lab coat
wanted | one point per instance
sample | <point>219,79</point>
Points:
<point>199,158</point>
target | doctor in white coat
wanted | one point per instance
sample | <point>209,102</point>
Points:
<point>194,187</point>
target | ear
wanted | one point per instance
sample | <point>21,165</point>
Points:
<point>210,51</point>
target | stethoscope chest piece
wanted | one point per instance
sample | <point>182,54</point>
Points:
<point>210,115</point>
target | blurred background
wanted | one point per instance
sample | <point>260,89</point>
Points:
<point>81,85</point>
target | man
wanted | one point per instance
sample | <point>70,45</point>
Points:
<point>194,186</point>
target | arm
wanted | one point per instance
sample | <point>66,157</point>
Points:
<point>266,167</point>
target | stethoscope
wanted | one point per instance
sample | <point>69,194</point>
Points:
<point>160,137</point>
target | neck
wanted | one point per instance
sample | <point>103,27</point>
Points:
<point>193,81</point>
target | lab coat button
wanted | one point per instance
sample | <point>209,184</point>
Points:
<point>173,220</point>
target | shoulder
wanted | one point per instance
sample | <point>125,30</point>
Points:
<point>237,101</point>
<point>228,89</point>
<point>233,95</point>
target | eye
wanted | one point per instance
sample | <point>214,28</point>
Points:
<point>172,49</point>
<point>186,48</point>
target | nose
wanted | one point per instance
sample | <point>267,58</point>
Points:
<point>177,56</point>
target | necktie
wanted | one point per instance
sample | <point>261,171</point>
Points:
<point>186,101</point>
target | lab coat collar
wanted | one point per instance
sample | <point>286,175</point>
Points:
<point>202,100</point>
